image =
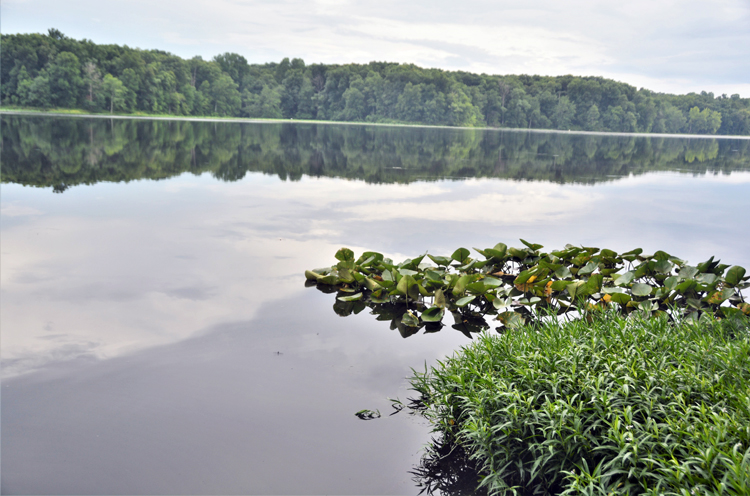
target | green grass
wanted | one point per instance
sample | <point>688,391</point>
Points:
<point>611,406</point>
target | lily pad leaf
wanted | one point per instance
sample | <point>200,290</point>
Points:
<point>624,279</point>
<point>563,273</point>
<point>354,297</point>
<point>621,298</point>
<point>439,298</point>
<point>409,319</point>
<point>462,302</point>
<point>641,289</point>
<point>433,314</point>
<point>461,255</point>
<point>345,255</point>
<point>511,319</point>
<point>533,246</point>
<point>442,261</point>
<point>734,275</point>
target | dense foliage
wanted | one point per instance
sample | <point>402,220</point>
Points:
<point>55,71</point>
<point>518,285</point>
<point>615,406</point>
<point>61,152</point>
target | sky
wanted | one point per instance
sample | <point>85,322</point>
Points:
<point>674,46</point>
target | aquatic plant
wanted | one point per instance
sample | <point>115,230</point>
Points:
<point>519,285</point>
<point>611,406</point>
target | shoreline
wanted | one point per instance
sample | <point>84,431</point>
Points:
<point>253,120</point>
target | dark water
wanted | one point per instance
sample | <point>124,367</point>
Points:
<point>156,334</point>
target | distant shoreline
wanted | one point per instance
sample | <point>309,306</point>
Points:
<point>254,120</point>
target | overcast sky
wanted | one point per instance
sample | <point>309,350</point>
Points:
<point>665,45</point>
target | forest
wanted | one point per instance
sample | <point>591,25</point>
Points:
<point>51,70</point>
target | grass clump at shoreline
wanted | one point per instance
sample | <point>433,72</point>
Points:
<point>612,406</point>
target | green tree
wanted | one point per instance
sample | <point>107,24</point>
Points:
<point>36,92</point>
<point>591,119</point>
<point>409,106</point>
<point>266,105</point>
<point>114,92</point>
<point>463,112</point>
<point>565,111</point>
<point>65,80</point>
<point>306,108</point>
<point>225,96</point>
<point>704,121</point>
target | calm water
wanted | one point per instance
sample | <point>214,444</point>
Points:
<point>157,337</point>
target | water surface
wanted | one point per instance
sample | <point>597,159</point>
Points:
<point>157,336</point>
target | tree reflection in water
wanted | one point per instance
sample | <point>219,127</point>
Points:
<point>62,152</point>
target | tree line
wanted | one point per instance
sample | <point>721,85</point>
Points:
<point>61,152</point>
<point>52,70</point>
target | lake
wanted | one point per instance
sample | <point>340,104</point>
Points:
<point>157,336</point>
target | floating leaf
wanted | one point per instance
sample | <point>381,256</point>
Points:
<point>624,279</point>
<point>345,255</point>
<point>442,261</point>
<point>620,298</point>
<point>641,289</point>
<point>588,269</point>
<point>461,255</point>
<point>439,298</point>
<point>734,275</point>
<point>462,302</point>
<point>354,297</point>
<point>511,319</point>
<point>563,273</point>
<point>534,247</point>
<point>663,266</point>
<point>409,319</point>
<point>433,314</point>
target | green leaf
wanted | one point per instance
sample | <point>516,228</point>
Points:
<point>439,298</point>
<point>442,261</point>
<point>500,303</point>
<point>663,266</point>
<point>632,254</point>
<point>463,281</point>
<point>355,297</point>
<point>734,275</point>
<point>707,278</point>
<point>346,276</point>
<point>408,272</point>
<point>661,256</point>
<point>588,269</point>
<point>433,314</point>
<point>688,272</point>
<point>608,253</point>
<point>641,289</point>
<point>462,302</point>
<point>563,273</point>
<point>621,298</point>
<point>409,319</point>
<point>624,279</point>
<point>516,253</point>
<point>511,319</point>
<point>534,247</point>
<point>345,255</point>
<point>671,282</point>
<point>330,279</point>
<point>461,255</point>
